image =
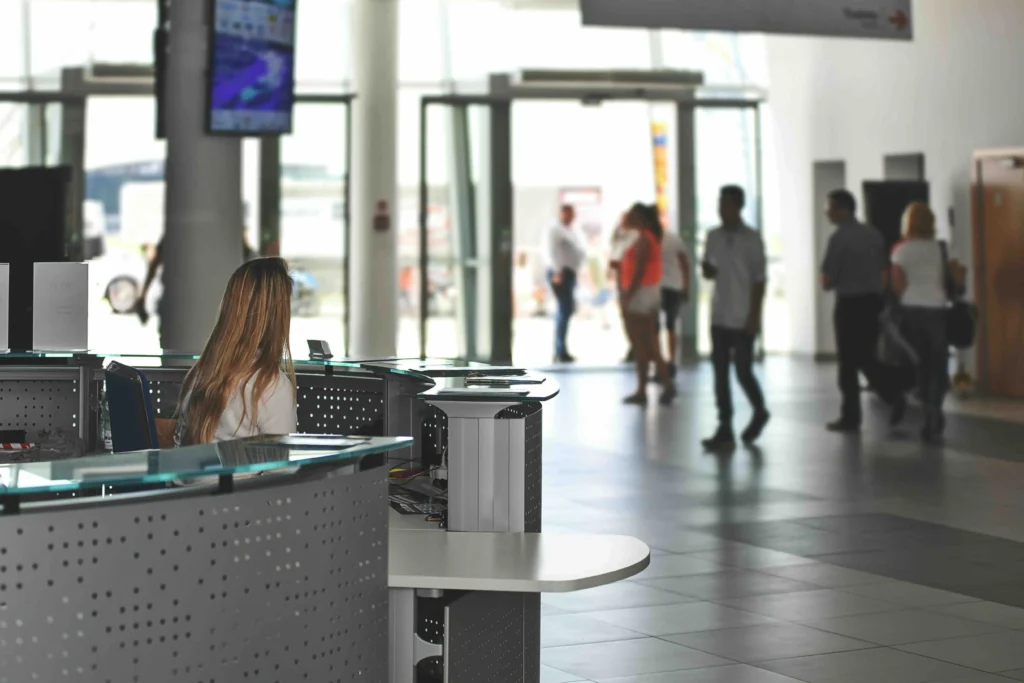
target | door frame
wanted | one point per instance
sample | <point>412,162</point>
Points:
<point>502,93</point>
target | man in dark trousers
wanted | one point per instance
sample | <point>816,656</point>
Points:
<point>854,268</point>
<point>734,257</point>
<point>564,255</point>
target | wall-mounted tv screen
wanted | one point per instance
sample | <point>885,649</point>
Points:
<point>252,67</point>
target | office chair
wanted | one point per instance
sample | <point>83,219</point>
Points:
<point>132,423</point>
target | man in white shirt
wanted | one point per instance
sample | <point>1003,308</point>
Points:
<point>734,258</point>
<point>565,254</point>
<point>675,288</point>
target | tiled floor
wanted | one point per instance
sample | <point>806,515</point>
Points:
<point>813,557</point>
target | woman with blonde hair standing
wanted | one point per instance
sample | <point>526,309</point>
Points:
<point>923,278</point>
<point>244,383</point>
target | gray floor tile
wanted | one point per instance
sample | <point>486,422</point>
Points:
<point>826,575</point>
<point>740,673</point>
<point>550,610</point>
<point>773,641</point>
<point>903,628</point>
<point>615,596</point>
<point>549,675</point>
<point>685,618</point>
<point>678,565</point>
<point>909,594</point>
<point>1017,675</point>
<point>987,612</point>
<point>734,583</point>
<point>992,653</point>
<point>751,557</point>
<point>810,605</point>
<point>866,666</point>
<point>577,629</point>
<point>627,658</point>
<point>976,677</point>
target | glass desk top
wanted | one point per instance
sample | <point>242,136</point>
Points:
<point>259,454</point>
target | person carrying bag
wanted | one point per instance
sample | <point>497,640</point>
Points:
<point>926,283</point>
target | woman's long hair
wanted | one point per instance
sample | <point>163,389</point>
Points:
<point>919,222</point>
<point>249,343</point>
<point>646,217</point>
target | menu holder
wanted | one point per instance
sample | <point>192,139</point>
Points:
<point>60,307</point>
<point>5,305</point>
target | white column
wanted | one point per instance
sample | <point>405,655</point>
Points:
<point>374,285</point>
<point>204,222</point>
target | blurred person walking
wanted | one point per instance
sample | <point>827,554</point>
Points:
<point>734,258</point>
<point>925,280</point>
<point>565,255</point>
<point>675,291</point>
<point>854,268</point>
<point>640,286</point>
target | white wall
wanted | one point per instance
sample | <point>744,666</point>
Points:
<point>954,89</point>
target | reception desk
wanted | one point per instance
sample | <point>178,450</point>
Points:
<point>261,559</point>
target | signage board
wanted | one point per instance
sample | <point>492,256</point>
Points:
<point>889,19</point>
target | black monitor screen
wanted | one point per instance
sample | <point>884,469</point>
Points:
<point>252,67</point>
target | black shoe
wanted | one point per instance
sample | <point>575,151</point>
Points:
<point>757,424</point>
<point>565,359</point>
<point>843,427</point>
<point>636,400</point>
<point>669,395</point>
<point>723,439</point>
<point>899,411</point>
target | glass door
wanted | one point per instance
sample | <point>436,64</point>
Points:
<point>451,271</point>
<point>312,225</point>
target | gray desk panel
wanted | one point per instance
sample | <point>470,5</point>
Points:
<point>283,580</point>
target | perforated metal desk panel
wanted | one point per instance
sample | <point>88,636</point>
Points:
<point>280,577</point>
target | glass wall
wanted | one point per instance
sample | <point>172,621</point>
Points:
<point>441,43</point>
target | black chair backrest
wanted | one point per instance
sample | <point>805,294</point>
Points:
<point>132,423</point>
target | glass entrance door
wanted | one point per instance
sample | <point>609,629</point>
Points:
<point>447,274</point>
<point>312,225</point>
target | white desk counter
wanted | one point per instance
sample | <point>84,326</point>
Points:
<point>512,563</point>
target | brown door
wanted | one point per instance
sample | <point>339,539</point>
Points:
<point>999,272</point>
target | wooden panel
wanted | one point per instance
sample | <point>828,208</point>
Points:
<point>999,272</point>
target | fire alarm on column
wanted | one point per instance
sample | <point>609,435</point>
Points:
<point>382,217</point>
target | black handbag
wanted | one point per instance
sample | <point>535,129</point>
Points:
<point>962,315</point>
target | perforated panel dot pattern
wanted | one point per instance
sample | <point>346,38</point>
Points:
<point>277,583</point>
<point>532,416</point>
<point>334,405</point>
<point>33,405</point>
<point>487,639</point>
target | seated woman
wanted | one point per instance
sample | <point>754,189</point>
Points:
<point>244,382</point>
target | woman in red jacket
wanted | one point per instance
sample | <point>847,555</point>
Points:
<point>640,287</point>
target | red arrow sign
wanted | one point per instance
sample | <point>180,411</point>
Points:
<point>900,20</point>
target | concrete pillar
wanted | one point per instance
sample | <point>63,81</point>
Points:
<point>374,283</point>
<point>203,209</point>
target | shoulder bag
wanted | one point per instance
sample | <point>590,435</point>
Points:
<point>961,315</point>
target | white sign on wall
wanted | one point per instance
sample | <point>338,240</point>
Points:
<point>890,19</point>
<point>60,307</point>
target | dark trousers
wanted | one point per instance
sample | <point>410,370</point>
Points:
<point>565,296</point>
<point>734,346</point>
<point>857,329</point>
<point>925,330</point>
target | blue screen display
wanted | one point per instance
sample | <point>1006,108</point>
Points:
<point>252,66</point>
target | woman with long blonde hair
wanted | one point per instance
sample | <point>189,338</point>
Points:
<point>244,382</point>
<point>922,277</point>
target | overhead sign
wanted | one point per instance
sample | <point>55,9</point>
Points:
<point>891,19</point>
